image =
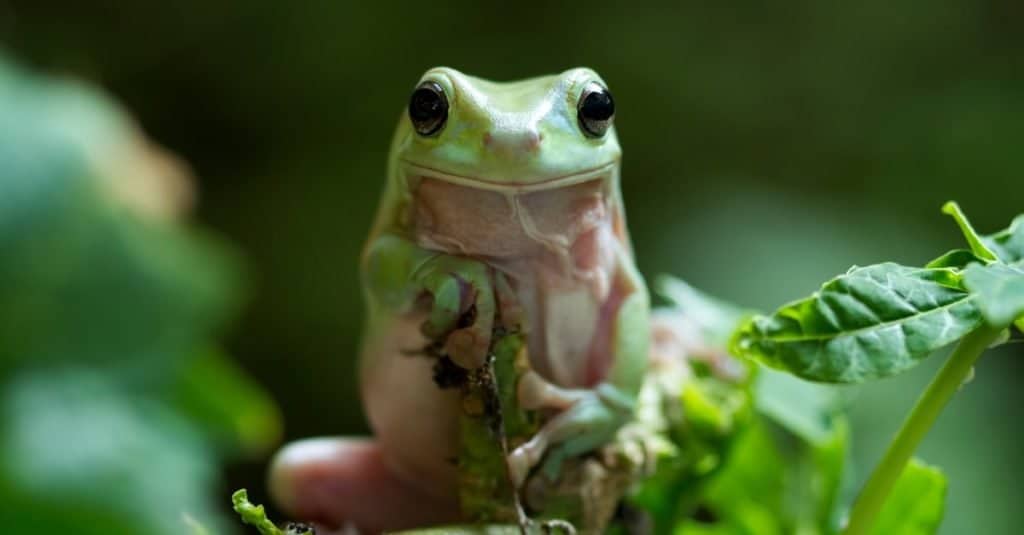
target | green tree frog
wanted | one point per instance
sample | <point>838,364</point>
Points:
<point>502,207</point>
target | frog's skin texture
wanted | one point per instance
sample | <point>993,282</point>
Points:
<point>509,213</point>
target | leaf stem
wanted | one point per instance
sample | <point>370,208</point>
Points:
<point>977,245</point>
<point>946,382</point>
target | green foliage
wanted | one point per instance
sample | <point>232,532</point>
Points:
<point>881,320</point>
<point>999,292</point>
<point>114,409</point>
<point>997,277</point>
<point>715,319</point>
<point>217,396</point>
<point>763,455</point>
<point>1008,244</point>
<point>255,516</point>
<point>916,504</point>
<point>871,322</point>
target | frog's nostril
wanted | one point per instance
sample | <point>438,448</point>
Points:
<point>513,142</point>
<point>533,140</point>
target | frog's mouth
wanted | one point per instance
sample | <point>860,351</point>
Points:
<point>507,220</point>
<point>415,171</point>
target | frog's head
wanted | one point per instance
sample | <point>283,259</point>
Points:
<point>537,133</point>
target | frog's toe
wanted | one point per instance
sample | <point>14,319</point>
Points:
<point>524,458</point>
<point>468,347</point>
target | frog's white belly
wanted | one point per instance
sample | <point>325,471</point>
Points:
<point>571,321</point>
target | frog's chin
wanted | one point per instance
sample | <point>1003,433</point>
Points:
<point>414,172</point>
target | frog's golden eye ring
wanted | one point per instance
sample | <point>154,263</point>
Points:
<point>428,108</point>
<point>595,110</point>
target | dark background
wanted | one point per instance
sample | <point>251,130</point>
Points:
<point>767,147</point>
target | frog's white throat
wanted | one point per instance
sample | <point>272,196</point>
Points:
<point>554,240</point>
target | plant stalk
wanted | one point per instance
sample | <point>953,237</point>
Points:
<point>946,382</point>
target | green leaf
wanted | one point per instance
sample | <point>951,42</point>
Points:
<point>872,322</point>
<point>79,455</point>
<point>977,244</point>
<point>917,502</point>
<point>957,258</point>
<point>715,318</point>
<point>254,515</point>
<point>773,482</point>
<point>218,396</point>
<point>803,408</point>
<point>84,277</point>
<point>1008,244</point>
<point>1000,292</point>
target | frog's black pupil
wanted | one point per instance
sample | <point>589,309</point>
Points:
<point>426,104</point>
<point>595,111</point>
<point>428,108</point>
<point>598,106</point>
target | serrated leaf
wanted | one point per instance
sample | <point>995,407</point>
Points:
<point>999,290</point>
<point>916,504</point>
<point>872,322</point>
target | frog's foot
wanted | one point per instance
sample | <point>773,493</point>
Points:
<point>337,481</point>
<point>462,314</point>
<point>591,421</point>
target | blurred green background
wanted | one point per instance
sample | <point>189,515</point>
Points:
<point>767,148</point>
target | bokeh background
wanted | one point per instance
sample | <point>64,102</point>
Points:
<point>767,148</point>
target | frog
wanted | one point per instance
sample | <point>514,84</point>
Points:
<point>502,210</point>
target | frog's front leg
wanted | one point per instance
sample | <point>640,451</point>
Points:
<point>590,418</point>
<point>398,273</point>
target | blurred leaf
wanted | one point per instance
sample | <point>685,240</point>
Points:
<point>715,318</point>
<point>104,300</point>
<point>217,395</point>
<point>78,456</point>
<point>916,504</point>
<point>804,408</point>
<point>82,276</point>
<point>773,482</point>
<point>872,322</point>
<point>703,418</point>
<point>998,290</point>
<point>1008,244</point>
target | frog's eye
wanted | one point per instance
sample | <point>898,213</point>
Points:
<point>428,108</point>
<point>595,110</point>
